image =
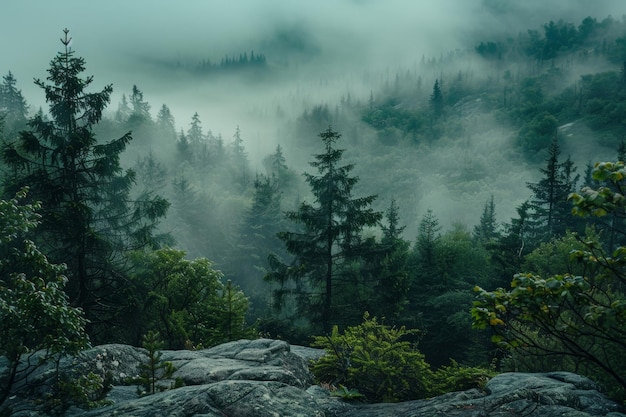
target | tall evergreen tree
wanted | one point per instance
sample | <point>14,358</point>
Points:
<point>194,134</point>
<point>139,120</point>
<point>436,101</point>
<point>276,167</point>
<point>151,173</point>
<point>257,237</point>
<point>551,210</point>
<point>486,231</point>
<point>13,107</point>
<point>183,147</point>
<point>123,111</point>
<point>88,219</point>
<point>392,284</point>
<point>239,160</point>
<point>427,236</point>
<point>140,107</point>
<point>165,123</point>
<point>328,239</point>
<point>198,230</point>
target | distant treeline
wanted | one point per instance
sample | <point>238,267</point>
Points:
<point>228,63</point>
<point>591,37</point>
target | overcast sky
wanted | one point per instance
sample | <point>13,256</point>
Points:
<point>108,33</point>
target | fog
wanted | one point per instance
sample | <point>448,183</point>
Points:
<point>318,52</point>
<point>318,40</point>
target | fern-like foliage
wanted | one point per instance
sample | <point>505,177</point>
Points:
<point>375,360</point>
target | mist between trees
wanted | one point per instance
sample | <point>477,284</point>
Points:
<point>449,175</point>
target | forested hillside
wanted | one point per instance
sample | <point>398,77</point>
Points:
<point>433,203</point>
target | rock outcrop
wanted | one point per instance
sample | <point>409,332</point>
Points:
<point>270,378</point>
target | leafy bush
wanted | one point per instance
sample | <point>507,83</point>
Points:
<point>184,300</point>
<point>37,322</point>
<point>580,318</point>
<point>374,360</point>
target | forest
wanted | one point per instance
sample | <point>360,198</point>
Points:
<point>467,215</point>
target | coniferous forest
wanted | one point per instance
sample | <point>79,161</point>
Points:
<point>466,213</point>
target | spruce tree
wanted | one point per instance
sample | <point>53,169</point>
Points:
<point>427,236</point>
<point>139,120</point>
<point>13,107</point>
<point>391,274</point>
<point>327,240</point>
<point>485,231</point>
<point>257,235</point>
<point>276,167</point>
<point>154,369</point>
<point>165,123</point>
<point>551,210</point>
<point>88,219</point>
<point>194,134</point>
<point>239,161</point>
<point>140,107</point>
<point>436,101</point>
<point>123,111</point>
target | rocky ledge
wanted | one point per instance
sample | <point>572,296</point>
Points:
<point>270,378</point>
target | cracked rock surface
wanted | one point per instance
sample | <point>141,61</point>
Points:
<point>267,377</point>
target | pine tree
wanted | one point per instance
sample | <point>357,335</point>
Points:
<point>139,120</point>
<point>88,219</point>
<point>165,123</point>
<point>436,101</point>
<point>154,369</point>
<point>234,305</point>
<point>194,134</point>
<point>392,277</point>
<point>140,107</point>
<point>427,236</point>
<point>328,239</point>
<point>13,107</point>
<point>123,111</point>
<point>423,258</point>
<point>486,231</point>
<point>151,173</point>
<point>285,180</point>
<point>551,210</point>
<point>239,159</point>
<point>183,147</point>
<point>276,165</point>
<point>257,236</point>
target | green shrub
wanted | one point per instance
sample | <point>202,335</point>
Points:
<point>455,377</point>
<point>373,360</point>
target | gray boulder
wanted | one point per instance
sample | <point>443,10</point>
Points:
<point>553,394</point>
<point>271,378</point>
